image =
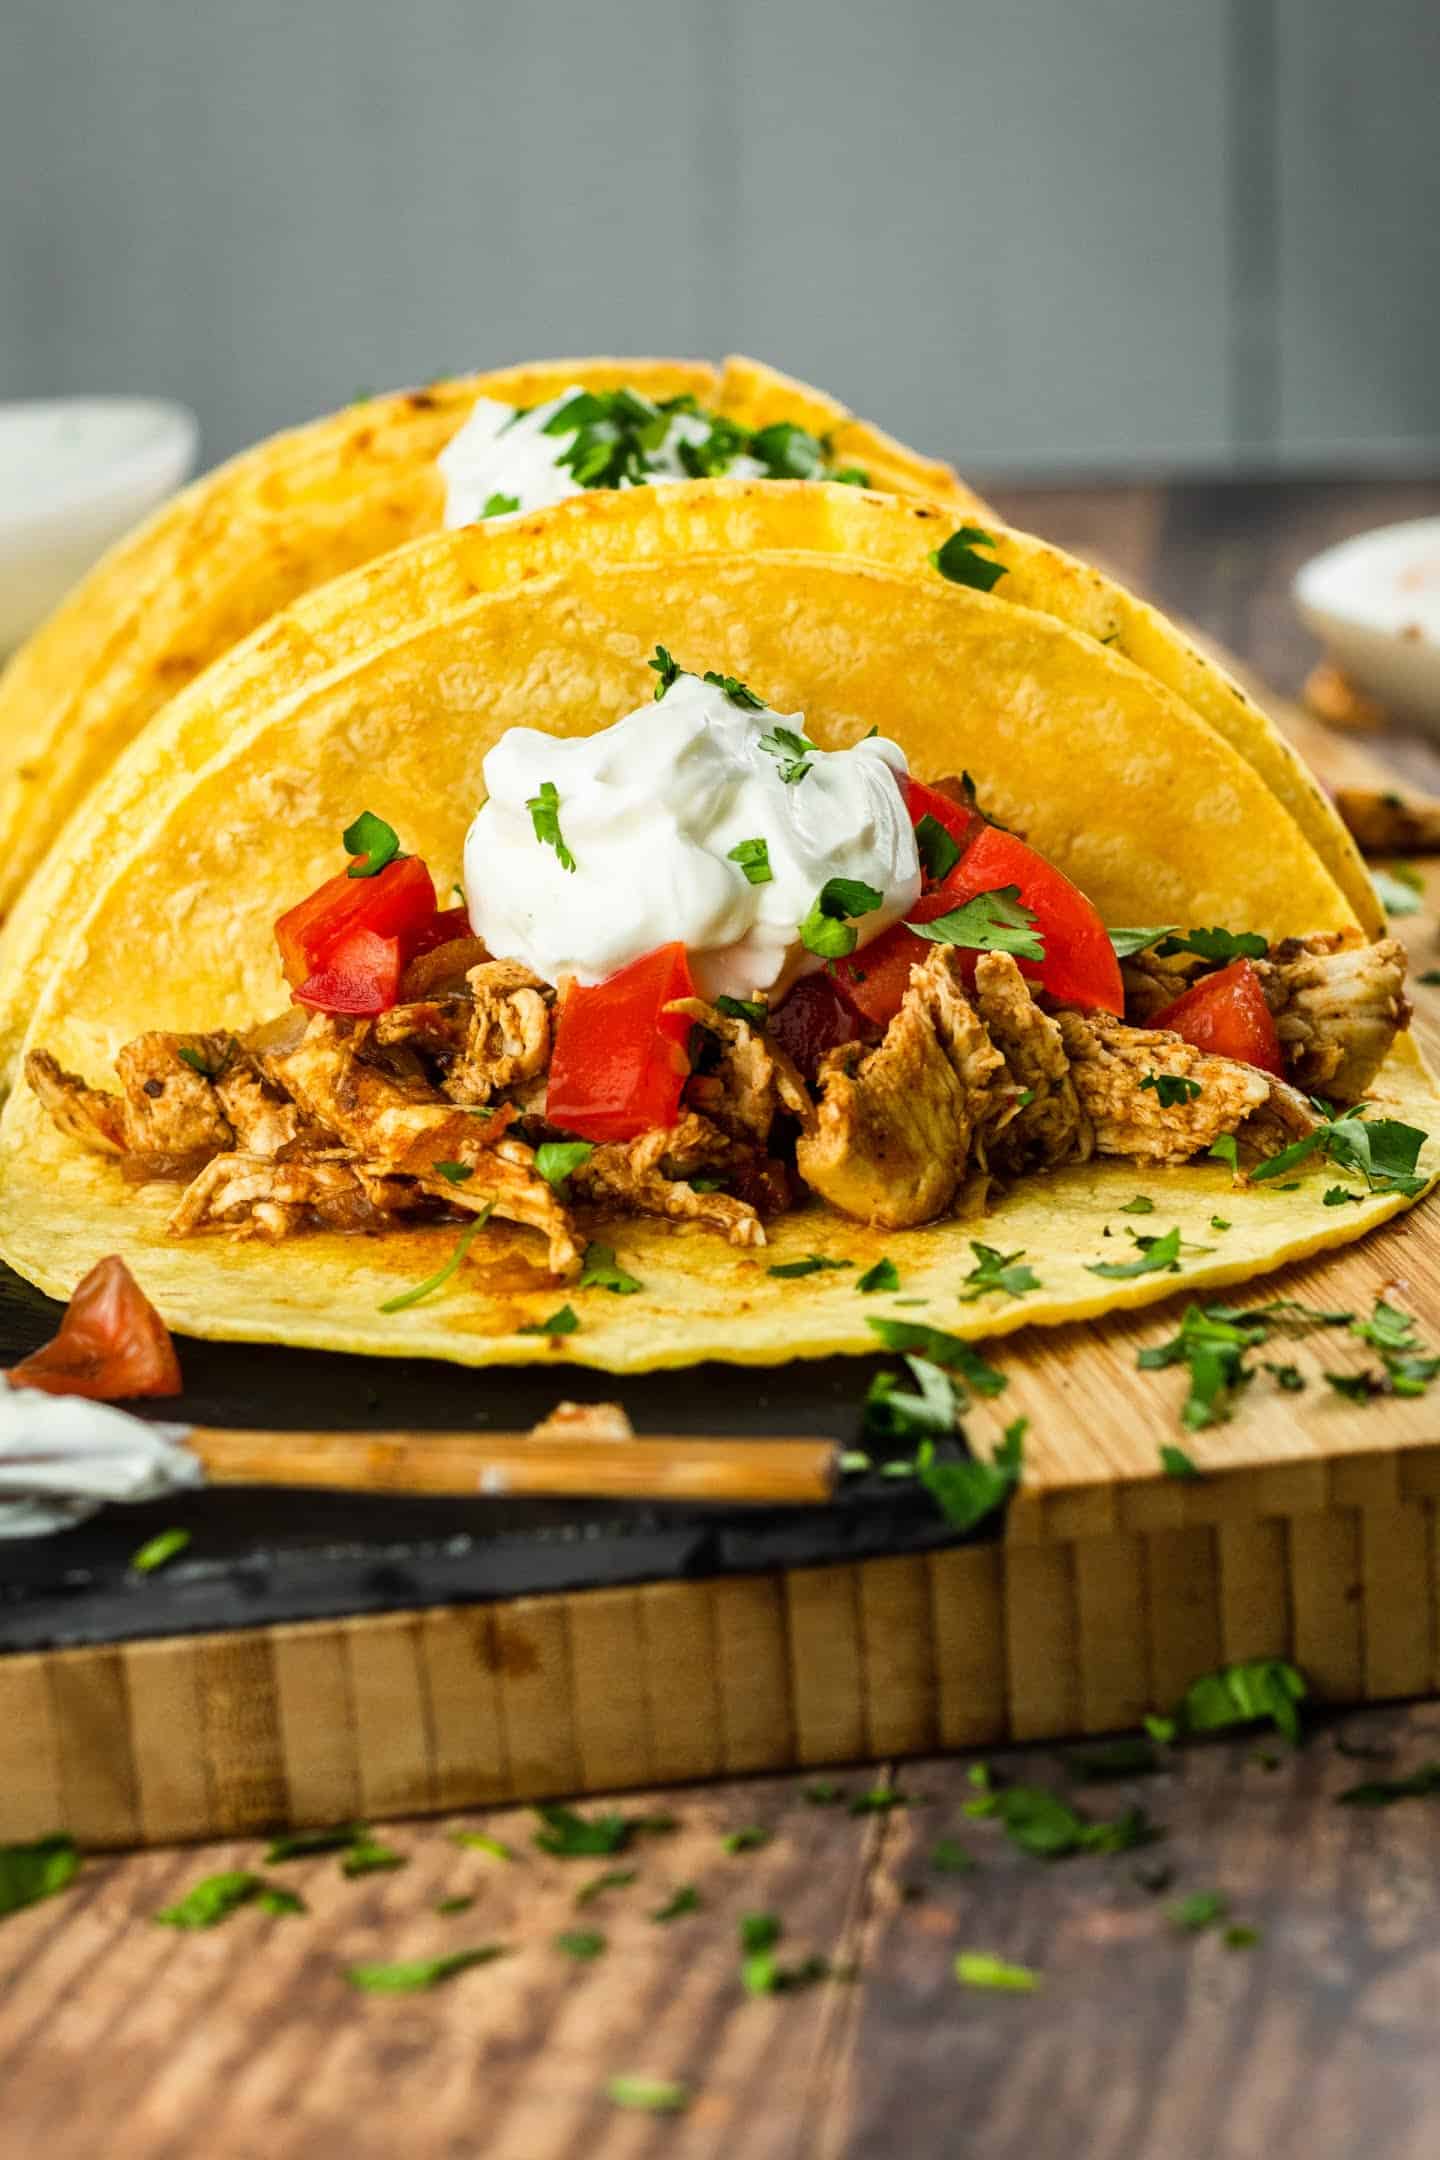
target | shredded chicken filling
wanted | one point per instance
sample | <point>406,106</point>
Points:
<point>436,1108</point>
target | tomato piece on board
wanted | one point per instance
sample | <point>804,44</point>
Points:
<point>620,1062</point>
<point>1226,1014</point>
<point>396,903</point>
<point>112,1345</point>
<point>816,1017</point>
<point>360,975</point>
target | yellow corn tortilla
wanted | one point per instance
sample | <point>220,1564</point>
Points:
<point>1110,774</point>
<point>248,539</point>
<point>325,628</point>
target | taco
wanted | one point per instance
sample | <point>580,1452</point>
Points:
<point>246,540</point>
<point>328,627</point>
<point>826,935</point>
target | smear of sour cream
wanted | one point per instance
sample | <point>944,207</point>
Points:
<point>651,811</point>
<point>505,456</point>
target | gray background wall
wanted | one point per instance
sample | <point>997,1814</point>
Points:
<point>1039,234</point>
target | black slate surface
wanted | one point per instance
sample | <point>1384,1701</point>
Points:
<point>266,1554</point>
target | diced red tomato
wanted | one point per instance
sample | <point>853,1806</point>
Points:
<point>443,926</point>
<point>360,974</point>
<point>922,801</point>
<point>814,1018</point>
<point>397,903</point>
<point>112,1344</point>
<point>1079,968</point>
<point>620,1062</point>
<point>1226,1014</point>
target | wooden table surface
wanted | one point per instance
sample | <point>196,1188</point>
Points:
<point>118,2037</point>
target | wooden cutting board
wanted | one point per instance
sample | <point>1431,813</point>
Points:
<point>312,1661</point>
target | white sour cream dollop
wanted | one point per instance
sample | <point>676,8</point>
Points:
<point>502,452</point>
<point>62,1457</point>
<point>650,809</point>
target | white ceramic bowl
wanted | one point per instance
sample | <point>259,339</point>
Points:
<point>75,473</point>
<point>1375,603</point>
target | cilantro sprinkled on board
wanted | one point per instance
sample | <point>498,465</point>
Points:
<point>40,1869</point>
<point>978,1969</point>
<point>409,1976</point>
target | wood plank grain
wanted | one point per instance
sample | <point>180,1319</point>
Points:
<point>316,1713</point>
<point>678,1672</point>
<point>470,1762</point>
<point>391,1708</point>
<point>897,1657</point>
<point>752,1672</point>
<point>32,1802</point>
<point>967,1590</point>
<point>612,1729</point>
<point>823,1629</point>
<point>172,1777</point>
<point>90,1709</point>
<point>241,1726</point>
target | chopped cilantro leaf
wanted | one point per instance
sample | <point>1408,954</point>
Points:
<point>1142,1204</point>
<point>1338,1195</point>
<point>1171,1089</point>
<point>1358,1387</point>
<point>1212,1343</point>
<point>1418,1784</point>
<point>959,561</point>
<point>650,2096</point>
<point>498,505</point>
<point>454,1173</point>
<point>555,1159</point>
<point>613,1879</point>
<point>737,692</point>
<point>1399,890</point>
<point>1240,1936</point>
<point>1288,1377</point>
<point>563,1322</point>
<point>446,1906</point>
<point>747,1840</point>
<point>878,1801</point>
<point>442,1275</point>
<point>157,1551</point>
<point>939,852</point>
<point>940,1348</point>
<point>813,1264</point>
<point>1201,1910</point>
<point>213,1899</point>
<point>883,1276</point>
<point>1253,1692</point>
<point>978,1969</point>
<point>949,1857</point>
<point>1219,946</point>
<point>668,670</point>
<point>599,1271</point>
<point>684,1900</point>
<point>1218,1222</point>
<point>968,1490</point>
<point>37,1870</point>
<point>1177,1464</point>
<point>410,1975</point>
<point>828,929</point>
<point>571,1836</point>
<point>480,1841</point>
<point>1160,1254</point>
<point>302,1844</point>
<point>824,1792</point>
<point>997,1271</point>
<point>1430,978</point>
<point>367,1856</point>
<point>753,1010</point>
<point>753,857</point>
<point>792,753</point>
<point>582,1944</point>
<point>372,842</point>
<point>1046,1827</point>
<point>990,922</point>
<point>788,451</point>
<point>544,811</point>
<point>1127,943</point>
